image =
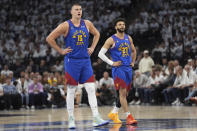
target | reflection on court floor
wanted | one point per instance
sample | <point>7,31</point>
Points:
<point>143,124</point>
<point>162,118</point>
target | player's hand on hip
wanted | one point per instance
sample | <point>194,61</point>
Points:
<point>90,51</point>
<point>66,51</point>
<point>132,64</point>
<point>117,63</point>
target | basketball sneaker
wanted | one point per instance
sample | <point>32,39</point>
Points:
<point>71,122</point>
<point>98,121</point>
<point>131,120</point>
<point>114,117</point>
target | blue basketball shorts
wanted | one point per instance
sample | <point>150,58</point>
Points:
<point>78,71</point>
<point>122,77</point>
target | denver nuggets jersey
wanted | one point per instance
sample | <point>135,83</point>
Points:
<point>77,39</point>
<point>122,50</point>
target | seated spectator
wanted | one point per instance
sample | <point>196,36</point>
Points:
<point>180,89</point>
<point>167,84</point>
<point>106,92</point>
<point>56,96</point>
<point>156,87</point>
<point>36,94</point>
<point>58,66</point>
<point>11,95</point>
<point>193,93</point>
<point>140,82</point>
<point>22,87</point>
<point>107,80</point>
<point>42,67</point>
<point>11,76</point>
<point>5,71</point>
<point>51,79</point>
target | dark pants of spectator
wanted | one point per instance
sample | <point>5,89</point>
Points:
<point>2,103</point>
<point>184,92</point>
<point>25,99</point>
<point>36,99</point>
<point>13,100</point>
<point>58,99</point>
<point>180,93</point>
<point>141,94</point>
<point>45,101</point>
<point>157,93</point>
<point>168,95</point>
<point>131,95</point>
<point>148,95</point>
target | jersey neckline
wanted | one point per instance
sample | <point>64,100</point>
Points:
<point>120,38</point>
<point>79,24</point>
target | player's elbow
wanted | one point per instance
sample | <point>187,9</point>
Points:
<point>48,39</point>
<point>99,54</point>
<point>97,34</point>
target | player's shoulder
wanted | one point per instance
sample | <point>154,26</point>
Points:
<point>110,39</point>
<point>130,38</point>
<point>64,24</point>
<point>87,22</point>
<point>128,35</point>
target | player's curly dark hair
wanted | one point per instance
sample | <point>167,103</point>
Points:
<point>118,20</point>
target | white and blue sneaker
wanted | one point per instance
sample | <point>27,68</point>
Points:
<point>98,121</point>
<point>71,122</point>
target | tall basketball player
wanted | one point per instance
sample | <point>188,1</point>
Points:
<point>77,60</point>
<point>123,53</point>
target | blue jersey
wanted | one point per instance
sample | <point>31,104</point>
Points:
<point>122,50</point>
<point>77,38</point>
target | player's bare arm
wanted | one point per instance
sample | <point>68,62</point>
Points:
<point>133,50</point>
<point>62,29</point>
<point>108,44</point>
<point>94,32</point>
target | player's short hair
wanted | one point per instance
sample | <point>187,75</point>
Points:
<point>75,4</point>
<point>118,20</point>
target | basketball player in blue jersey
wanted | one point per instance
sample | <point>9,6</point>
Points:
<point>77,60</point>
<point>123,53</point>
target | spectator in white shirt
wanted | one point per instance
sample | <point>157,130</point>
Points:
<point>191,75</point>
<point>5,70</point>
<point>180,86</point>
<point>146,63</point>
<point>108,81</point>
<point>22,87</point>
<point>141,81</point>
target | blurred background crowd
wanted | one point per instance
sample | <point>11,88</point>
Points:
<point>164,33</point>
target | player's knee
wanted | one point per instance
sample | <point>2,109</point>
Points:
<point>123,93</point>
<point>90,88</point>
<point>71,89</point>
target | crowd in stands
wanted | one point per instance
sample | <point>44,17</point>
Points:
<point>32,73</point>
<point>169,26</point>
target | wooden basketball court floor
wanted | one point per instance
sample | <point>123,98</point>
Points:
<point>161,118</point>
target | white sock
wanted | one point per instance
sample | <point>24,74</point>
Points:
<point>127,113</point>
<point>70,99</point>
<point>115,109</point>
<point>90,88</point>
